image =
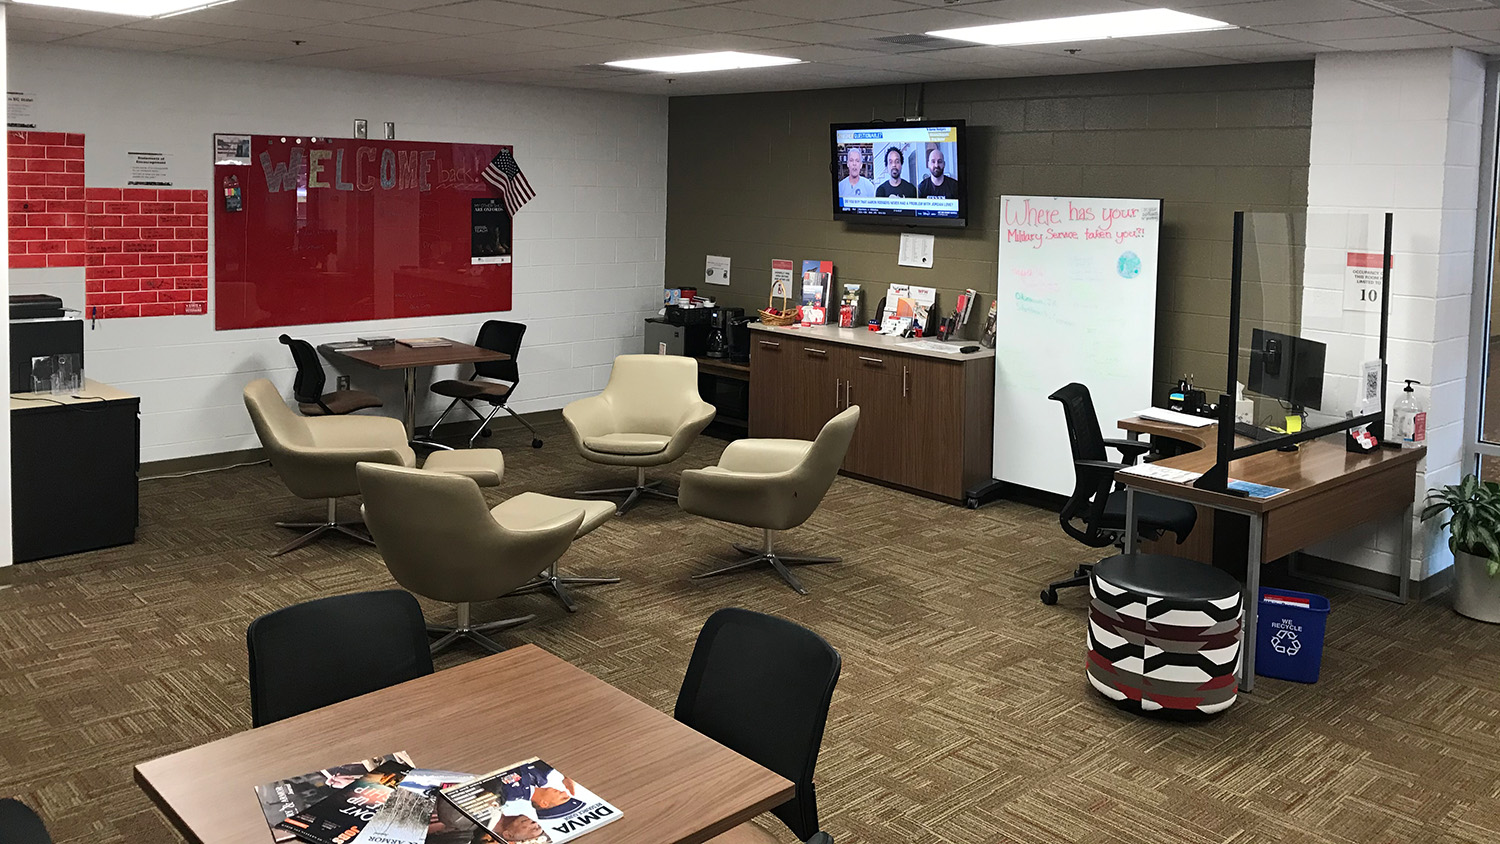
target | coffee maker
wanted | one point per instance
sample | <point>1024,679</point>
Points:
<point>723,319</point>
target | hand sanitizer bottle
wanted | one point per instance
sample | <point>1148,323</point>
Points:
<point>1410,420</point>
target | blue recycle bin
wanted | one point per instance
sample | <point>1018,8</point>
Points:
<point>1289,643</point>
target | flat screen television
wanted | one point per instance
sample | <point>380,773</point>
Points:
<point>911,174</point>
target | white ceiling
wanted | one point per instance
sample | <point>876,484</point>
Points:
<point>843,42</point>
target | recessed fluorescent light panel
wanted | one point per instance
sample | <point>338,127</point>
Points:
<point>131,8</point>
<point>1084,28</point>
<point>699,62</point>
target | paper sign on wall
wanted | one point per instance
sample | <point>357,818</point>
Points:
<point>1362,281</point>
<point>716,269</point>
<point>20,110</point>
<point>916,250</point>
<point>232,149</point>
<point>149,169</point>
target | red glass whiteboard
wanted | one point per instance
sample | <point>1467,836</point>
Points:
<point>334,230</point>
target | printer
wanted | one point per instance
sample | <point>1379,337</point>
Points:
<point>46,340</point>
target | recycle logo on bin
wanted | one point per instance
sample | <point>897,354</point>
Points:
<point>1285,642</point>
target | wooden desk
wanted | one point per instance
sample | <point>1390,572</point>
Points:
<point>1329,491</point>
<point>74,463</point>
<point>672,784</point>
<point>409,359</point>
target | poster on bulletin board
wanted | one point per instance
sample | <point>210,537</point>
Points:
<point>314,230</point>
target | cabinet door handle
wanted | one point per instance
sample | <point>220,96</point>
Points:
<point>871,360</point>
<point>847,385</point>
<point>811,350</point>
<point>904,371</point>
<point>770,343</point>
<point>838,386</point>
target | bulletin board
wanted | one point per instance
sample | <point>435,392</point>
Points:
<point>313,230</point>
<point>1076,302</point>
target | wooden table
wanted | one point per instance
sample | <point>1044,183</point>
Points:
<point>409,359</point>
<point>1328,491</point>
<point>672,784</point>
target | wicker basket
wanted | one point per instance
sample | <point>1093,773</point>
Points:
<point>786,317</point>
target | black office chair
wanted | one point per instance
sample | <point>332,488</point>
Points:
<point>760,686</point>
<point>496,336</point>
<point>320,652</point>
<point>1095,502</point>
<point>308,386</point>
<point>20,825</point>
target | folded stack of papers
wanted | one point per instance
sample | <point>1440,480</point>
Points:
<point>1162,473</point>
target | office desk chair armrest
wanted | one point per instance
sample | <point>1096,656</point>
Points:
<point>765,456</point>
<point>1129,449</point>
<point>1101,465</point>
<point>590,417</point>
<point>356,432</point>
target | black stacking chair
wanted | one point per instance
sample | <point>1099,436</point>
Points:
<point>20,825</point>
<point>1095,502</point>
<point>308,386</point>
<point>320,652</point>
<point>496,336</point>
<point>760,686</point>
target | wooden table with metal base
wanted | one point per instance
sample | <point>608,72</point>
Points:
<point>409,360</point>
<point>1329,491</point>
<point>672,784</point>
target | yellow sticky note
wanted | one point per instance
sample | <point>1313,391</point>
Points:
<point>1293,423</point>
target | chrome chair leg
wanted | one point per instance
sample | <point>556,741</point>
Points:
<point>331,523</point>
<point>767,555</point>
<point>473,632</point>
<point>557,583</point>
<point>632,493</point>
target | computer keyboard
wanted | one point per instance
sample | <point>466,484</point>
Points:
<point>1245,429</point>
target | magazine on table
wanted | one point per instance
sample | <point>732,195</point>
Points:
<point>529,803</point>
<point>341,816</point>
<point>282,799</point>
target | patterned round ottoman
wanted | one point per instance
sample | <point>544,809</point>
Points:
<point>1164,633</point>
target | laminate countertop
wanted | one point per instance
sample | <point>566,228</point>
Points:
<point>865,338</point>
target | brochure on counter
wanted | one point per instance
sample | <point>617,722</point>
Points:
<point>384,800</point>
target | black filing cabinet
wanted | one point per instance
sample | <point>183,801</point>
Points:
<point>74,472</point>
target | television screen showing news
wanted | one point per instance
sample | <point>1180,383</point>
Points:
<point>898,171</point>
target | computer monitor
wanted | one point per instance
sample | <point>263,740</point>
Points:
<point>1287,368</point>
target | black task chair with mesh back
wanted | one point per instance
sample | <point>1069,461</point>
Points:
<point>318,653</point>
<point>496,336</point>
<point>308,386</point>
<point>20,825</point>
<point>1095,502</point>
<point>760,686</point>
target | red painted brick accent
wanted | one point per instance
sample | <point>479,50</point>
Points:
<point>43,168</point>
<point>154,250</point>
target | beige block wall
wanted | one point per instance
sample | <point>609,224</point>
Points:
<point>748,177</point>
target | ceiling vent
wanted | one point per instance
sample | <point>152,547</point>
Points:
<point>903,43</point>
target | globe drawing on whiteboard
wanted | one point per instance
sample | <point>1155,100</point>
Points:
<point>1129,265</point>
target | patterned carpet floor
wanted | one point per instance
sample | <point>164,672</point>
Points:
<point>962,716</point>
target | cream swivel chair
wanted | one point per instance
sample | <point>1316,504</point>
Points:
<point>315,456</point>
<point>648,415</point>
<point>772,485</point>
<point>442,541</point>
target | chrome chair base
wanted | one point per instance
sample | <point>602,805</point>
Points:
<point>482,430</point>
<point>332,523</point>
<point>555,582</point>
<point>463,630</point>
<point>632,493</point>
<point>766,554</point>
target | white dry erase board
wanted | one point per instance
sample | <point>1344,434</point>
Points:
<point>1077,302</point>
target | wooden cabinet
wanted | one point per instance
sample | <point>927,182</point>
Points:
<point>925,422</point>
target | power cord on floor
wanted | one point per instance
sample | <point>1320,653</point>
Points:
<point>205,471</point>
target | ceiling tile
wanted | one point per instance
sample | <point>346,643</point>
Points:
<point>435,24</point>
<point>822,9</point>
<point>618,8</point>
<point>1410,42</point>
<point>1329,31</point>
<point>1293,11</point>
<point>717,19</point>
<point>820,33</point>
<point>359,31</point>
<point>1464,21</point>
<point>1025,10</point>
<point>241,14</point>
<point>714,42</point>
<point>246,50</point>
<point>35,29</point>
<point>626,30</point>
<point>923,20</point>
<point>512,14</point>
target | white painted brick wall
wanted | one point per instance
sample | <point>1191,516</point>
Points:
<point>1400,132</point>
<point>588,250</point>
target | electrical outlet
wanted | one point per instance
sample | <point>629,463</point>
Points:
<point>343,382</point>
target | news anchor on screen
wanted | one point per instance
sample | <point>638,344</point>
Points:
<point>856,184</point>
<point>936,184</point>
<point>895,185</point>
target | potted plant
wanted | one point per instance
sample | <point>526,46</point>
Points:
<point>1473,509</point>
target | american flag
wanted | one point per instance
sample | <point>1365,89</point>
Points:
<point>505,174</point>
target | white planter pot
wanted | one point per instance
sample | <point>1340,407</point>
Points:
<point>1475,593</point>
